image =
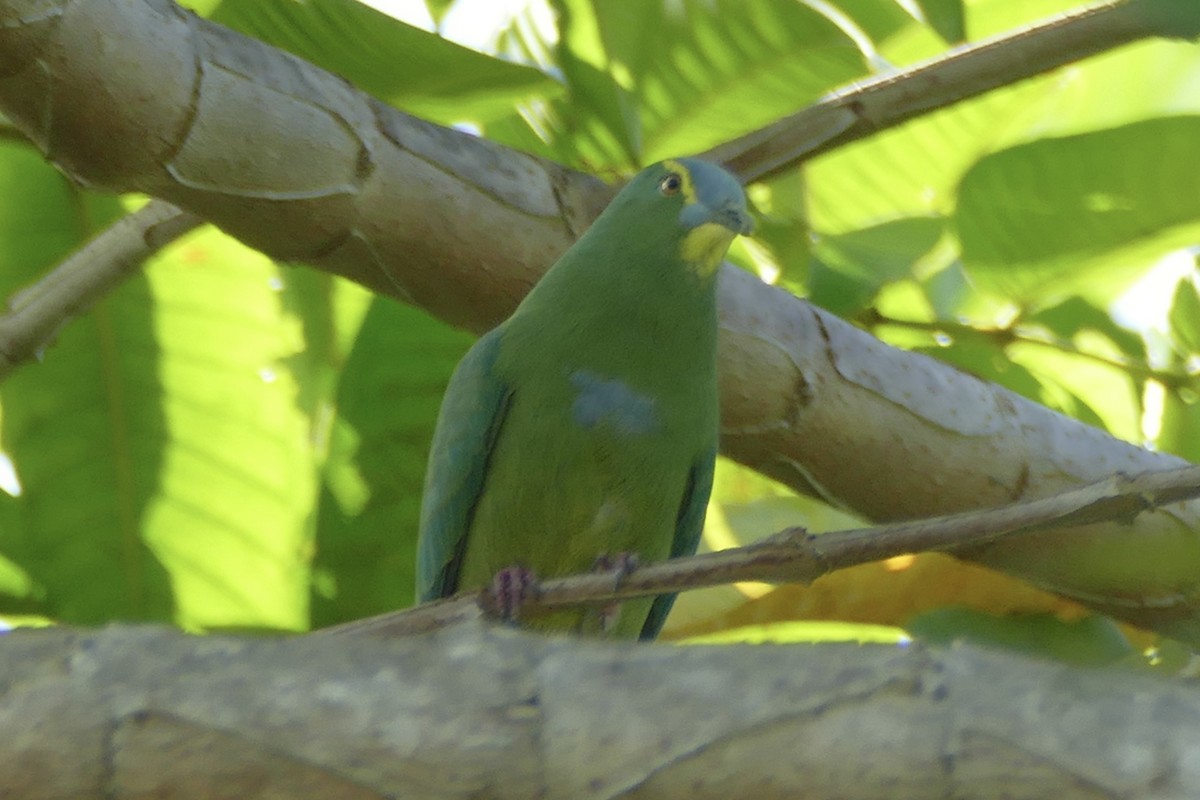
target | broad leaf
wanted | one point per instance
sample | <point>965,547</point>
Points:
<point>649,80</point>
<point>1091,641</point>
<point>415,70</point>
<point>1071,213</point>
<point>165,466</point>
<point>387,403</point>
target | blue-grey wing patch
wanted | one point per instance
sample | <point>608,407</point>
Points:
<point>469,421</point>
<point>689,526</point>
<point>613,403</point>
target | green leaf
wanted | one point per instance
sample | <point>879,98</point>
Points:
<point>915,169</point>
<point>946,17</point>
<point>1180,17</point>
<point>876,20</point>
<point>1184,318</point>
<point>438,8</point>
<point>1179,424</point>
<point>654,79</point>
<point>1075,314</point>
<point>415,70</point>
<point>728,68</point>
<point>1071,213</point>
<point>781,230</point>
<point>951,295</point>
<point>985,358</point>
<point>165,468</point>
<point>1097,392</point>
<point>992,17</point>
<point>147,475</point>
<point>18,591</point>
<point>807,632</point>
<point>387,403</point>
<point>46,221</point>
<point>911,171</point>
<point>837,291</point>
<point>881,253</point>
<point>1091,641</point>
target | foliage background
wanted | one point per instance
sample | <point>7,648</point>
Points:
<point>230,442</point>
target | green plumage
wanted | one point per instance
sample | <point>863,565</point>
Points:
<point>586,424</point>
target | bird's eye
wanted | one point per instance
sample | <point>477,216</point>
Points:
<point>671,184</point>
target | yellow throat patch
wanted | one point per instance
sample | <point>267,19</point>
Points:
<point>704,245</point>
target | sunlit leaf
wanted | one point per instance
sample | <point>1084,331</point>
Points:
<point>649,80</point>
<point>387,402</point>
<point>837,291</point>
<point>984,357</point>
<point>1180,424</point>
<point>16,585</point>
<point>165,467</point>
<point>1185,318</point>
<point>410,68</point>
<point>1090,641</point>
<point>797,632</point>
<point>1078,213</point>
<point>438,8</point>
<point>1109,395</point>
<point>915,169</point>
<point>946,17</point>
<point>883,252</point>
<point>1075,314</point>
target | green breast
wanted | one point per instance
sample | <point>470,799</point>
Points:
<point>588,464</point>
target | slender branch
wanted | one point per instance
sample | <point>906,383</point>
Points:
<point>871,319</point>
<point>37,313</point>
<point>884,102</point>
<point>796,556</point>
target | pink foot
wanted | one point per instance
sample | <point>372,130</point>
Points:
<point>620,565</point>
<point>512,588</point>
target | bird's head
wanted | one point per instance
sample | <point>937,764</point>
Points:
<point>700,204</point>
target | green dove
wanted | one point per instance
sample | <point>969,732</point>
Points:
<point>585,425</point>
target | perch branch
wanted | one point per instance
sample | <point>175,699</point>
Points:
<point>796,556</point>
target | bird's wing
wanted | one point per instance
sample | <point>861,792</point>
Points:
<point>689,525</point>
<point>469,422</point>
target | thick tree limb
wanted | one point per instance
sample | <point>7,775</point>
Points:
<point>296,163</point>
<point>480,712</point>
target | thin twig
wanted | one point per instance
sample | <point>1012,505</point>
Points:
<point>796,556</point>
<point>884,102</point>
<point>37,313</point>
<point>871,319</point>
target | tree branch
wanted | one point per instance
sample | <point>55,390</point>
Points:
<point>796,556</point>
<point>462,227</point>
<point>482,712</point>
<point>36,314</point>
<point>884,102</point>
<point>1000,338</point>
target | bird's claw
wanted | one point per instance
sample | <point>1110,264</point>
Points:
<point>620,565</point>
<point>511,588</point>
